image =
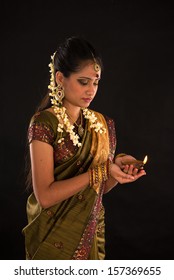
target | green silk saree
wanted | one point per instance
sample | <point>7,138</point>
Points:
<point>74,228</point>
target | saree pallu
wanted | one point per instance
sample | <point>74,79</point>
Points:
<point>73,228</point>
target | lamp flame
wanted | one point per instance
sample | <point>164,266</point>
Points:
<point>145,160</point>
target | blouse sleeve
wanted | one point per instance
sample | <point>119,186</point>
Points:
<point>40,130</point>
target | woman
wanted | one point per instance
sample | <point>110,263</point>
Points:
<point>72,152</point>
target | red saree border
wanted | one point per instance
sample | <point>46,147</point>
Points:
<point>85,244</point>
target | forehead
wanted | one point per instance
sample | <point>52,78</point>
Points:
<point>88,70</point>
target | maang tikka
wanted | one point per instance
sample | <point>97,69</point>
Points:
<point>96,65</point>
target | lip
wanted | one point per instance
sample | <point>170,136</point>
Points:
<point>87,100</point>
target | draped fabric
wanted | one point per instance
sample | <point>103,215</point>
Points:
<point>73,228</point>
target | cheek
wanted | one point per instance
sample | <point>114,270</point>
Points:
<point>72,91</point>
<point>77,89</point>
<point>68,88</point>
<point>96,90</point>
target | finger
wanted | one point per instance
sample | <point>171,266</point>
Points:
<point>129,179</point>
<point>142,171</point>
<point>140,174</point>
<point>126,168</point>
<point>135,171</point>
<point>130,169</point>
<point>122,174</point>
<point>128,176</point>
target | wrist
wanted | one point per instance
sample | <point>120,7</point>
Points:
<point>111,169</point>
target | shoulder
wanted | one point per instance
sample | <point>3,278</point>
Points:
<point>45,117</point>
<point>43,127</point>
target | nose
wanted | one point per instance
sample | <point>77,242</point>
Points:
<point>91,90</point>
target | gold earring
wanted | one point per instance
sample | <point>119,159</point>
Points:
<point>59,93</point>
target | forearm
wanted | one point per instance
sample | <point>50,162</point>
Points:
<point>110,184</point>
<point>58,191</point>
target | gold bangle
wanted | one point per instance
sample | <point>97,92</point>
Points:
<point>104,171</point>
<point>99,173</point>
<point>90,177</point>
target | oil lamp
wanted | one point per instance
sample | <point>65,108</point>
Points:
<point>139,164</point>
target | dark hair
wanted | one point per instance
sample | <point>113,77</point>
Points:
<point>69,57</point>
<point>72,53</point>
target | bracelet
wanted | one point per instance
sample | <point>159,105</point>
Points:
<point>99,173</point>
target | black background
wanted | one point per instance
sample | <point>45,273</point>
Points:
<point>136,41</point>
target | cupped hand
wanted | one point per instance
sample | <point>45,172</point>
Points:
<point>127,175</point>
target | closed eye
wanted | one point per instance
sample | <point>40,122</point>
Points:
<point>85,82</point>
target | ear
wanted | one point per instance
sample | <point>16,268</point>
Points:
<point>59,77</point>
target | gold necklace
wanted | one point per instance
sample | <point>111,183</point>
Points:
<point>80,127</point>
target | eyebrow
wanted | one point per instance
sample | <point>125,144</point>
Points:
<point>97,78</point>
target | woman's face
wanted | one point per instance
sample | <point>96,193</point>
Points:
<point>80,88</point>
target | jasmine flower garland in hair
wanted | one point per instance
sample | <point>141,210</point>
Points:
<point>52,86</point>
<point>60,111</point>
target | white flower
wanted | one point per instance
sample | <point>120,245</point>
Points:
<point>62,117</point>
<point>65,124</point>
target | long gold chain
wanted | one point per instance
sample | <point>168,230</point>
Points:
<point>80,127</point>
